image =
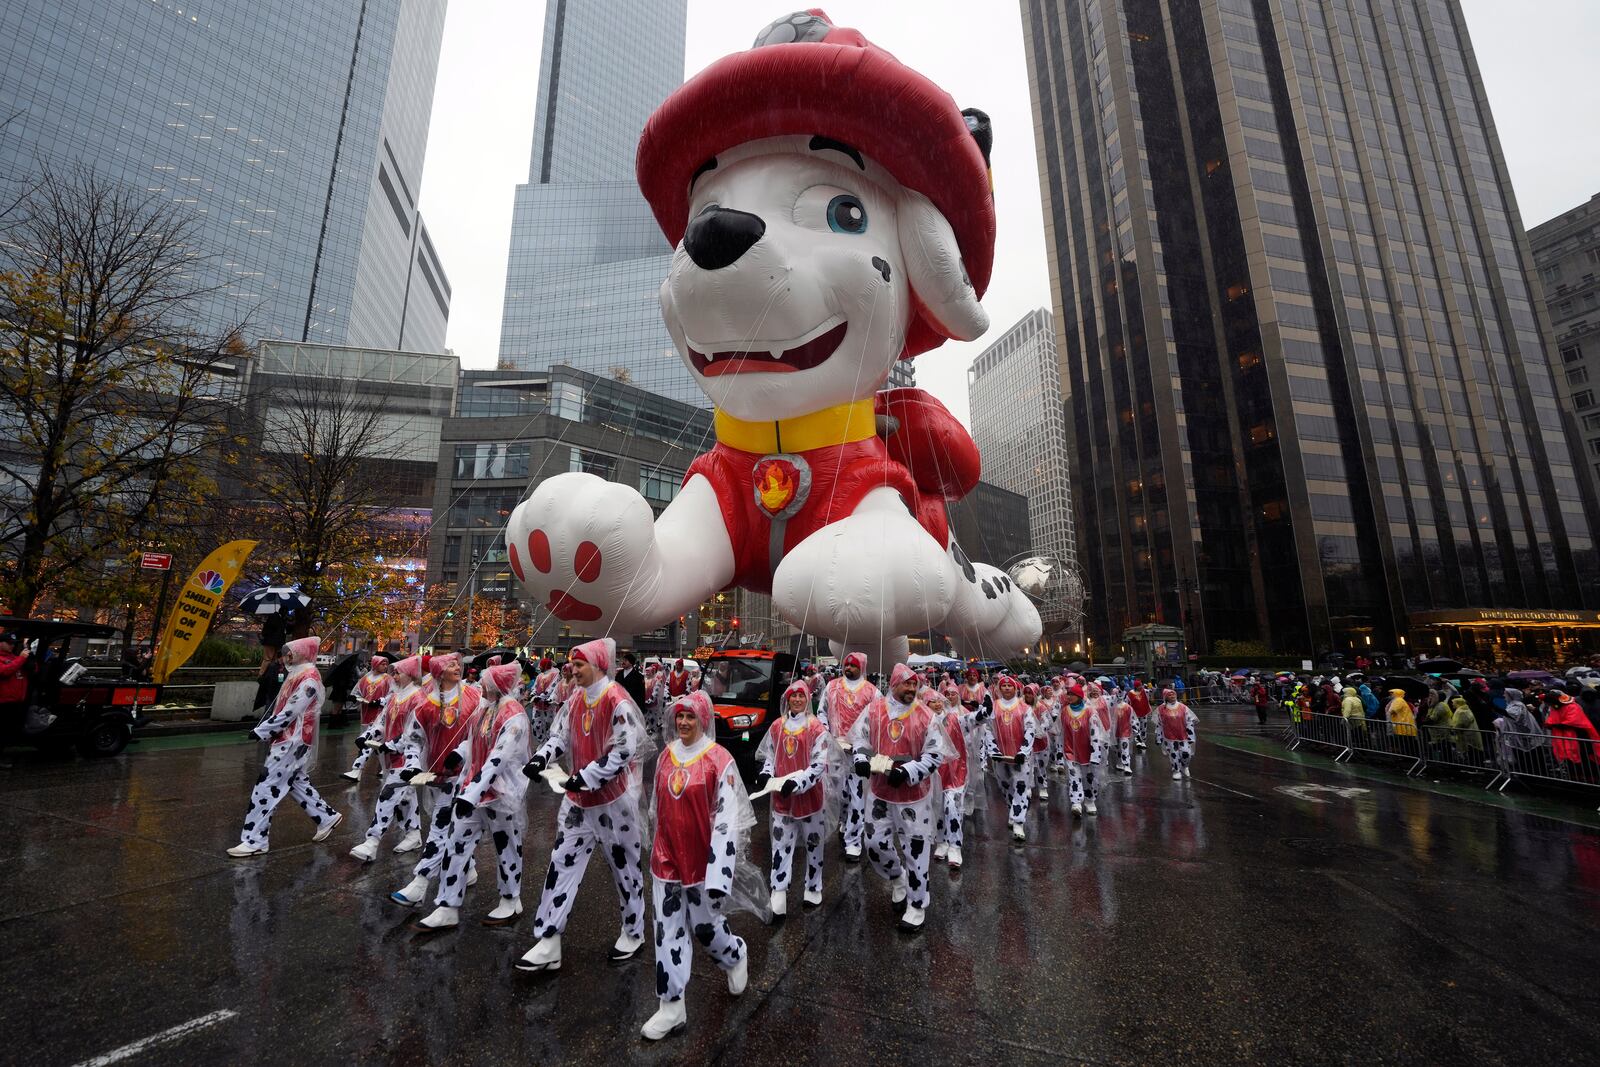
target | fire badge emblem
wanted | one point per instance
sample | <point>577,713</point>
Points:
<point>781,482</point>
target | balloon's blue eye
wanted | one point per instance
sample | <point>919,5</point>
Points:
<point>846,214</point>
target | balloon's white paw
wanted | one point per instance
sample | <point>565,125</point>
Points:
<point>583,547</point>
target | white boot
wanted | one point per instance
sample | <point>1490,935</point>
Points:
<point>813,898</point>
<point>1018,833</point>
<point>545,955</point>
<point>1176,774</point>
<point>1044,792</point>
<point>1077,809</point>
<point>1186,770</point>
<point>366,852</point>
<point>441,918</point>
<point>669,1018</point>
<point>898,890</point>
<point>472,872</point>
<point>955,857</point>
<point>780,901</point>
<point>625,947</point>
<point>241,850</point>
<point>1090,808</point>
<point>852,853</point>
<point>739,977</point>
<point>412,894</point>
<point>912,919</point>
<point>327,831</point>
<point>940,850</point>
<point>409,843</point>
<point>353,775</point>
<point>504,912</point>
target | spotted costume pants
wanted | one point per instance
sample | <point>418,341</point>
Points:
<point>373,732</point>
<point>284,774</point>
<point>1138,731</point>
<point>438,832</point>
<point>896,828</point>
<point>1083,782</point>
<point>789,832</point>
<point>1125,755</point>
<point>954,803</point>
<point>681,909</point>
<point>853,817</point>
<point>504,826</point>
<point>1039,770</point>
<point>1014,786</point>
<point>539,716</point>
<point>578,831</point>
<point>401,804</point>
<point>1179,753</point>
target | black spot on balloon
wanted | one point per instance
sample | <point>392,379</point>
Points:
<point>882,265</point>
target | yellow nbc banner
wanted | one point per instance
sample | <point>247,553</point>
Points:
<point>197,602</point>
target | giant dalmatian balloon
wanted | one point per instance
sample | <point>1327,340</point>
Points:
<point>832,212</point>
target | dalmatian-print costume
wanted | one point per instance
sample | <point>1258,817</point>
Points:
<point>372,693</point>
<point>692,860</point>
<point>398,732</point>
<point>1139,701</point>
<point>797,744</point>
<point>843,702</point>
<point>901,818</point>
<point>602,730</point>
<point>543,700</point>
<point>490,800</point>
<point>1176,726</point>
<point>964,731</point>
<point>1084,741</point>
<point>1008,731</point>
<point>444,720</point>
<point>292,729</point>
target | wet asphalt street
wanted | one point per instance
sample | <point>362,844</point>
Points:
<point>1270,910</point>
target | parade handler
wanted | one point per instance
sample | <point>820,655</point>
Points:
<point>490,800</point>
<point>605,736</point>
<point>899,744</point>
<point>291,727</point>
<point>700,867</point>
<point>843,700</point>
<point>796,749</point>
<point>372,694</point>
<point>398,732</point>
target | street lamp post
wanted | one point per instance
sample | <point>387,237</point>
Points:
<point>472,595</point>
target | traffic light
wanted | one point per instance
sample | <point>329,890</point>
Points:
<point>735,622</point>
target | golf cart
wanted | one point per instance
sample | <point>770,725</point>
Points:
<point>94,713</point>
<point>745,685</point>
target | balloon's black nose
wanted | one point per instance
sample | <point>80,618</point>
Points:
<point>718,236</point>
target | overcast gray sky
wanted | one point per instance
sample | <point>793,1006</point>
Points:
<point>1537,57</point>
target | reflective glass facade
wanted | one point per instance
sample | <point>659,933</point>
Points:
<point>1567,250</point>
<point>283,124</point>
<point>587,258</point>
<point>1018,423</point>
<point>1306,383</point>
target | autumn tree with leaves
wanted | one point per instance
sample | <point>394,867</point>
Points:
<point>110,413</point>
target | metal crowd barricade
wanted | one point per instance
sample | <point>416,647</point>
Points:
<point>1551,758</point>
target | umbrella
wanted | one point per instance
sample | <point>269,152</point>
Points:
<point>271,599</point>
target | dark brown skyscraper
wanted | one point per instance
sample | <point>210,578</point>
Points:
<point>1307,386</point>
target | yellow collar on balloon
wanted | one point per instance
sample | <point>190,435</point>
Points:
<point>842,424</point>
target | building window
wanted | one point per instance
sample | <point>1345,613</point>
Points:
<point>659,486</point>
<point>1592,422</point>
<point>492,460</point>
<point>1583,399</point>
<point>1552,273</point>
<point>1577,375</point>
<point>1571,353</point>
<point>596,463</point>
<point>1594,446</point>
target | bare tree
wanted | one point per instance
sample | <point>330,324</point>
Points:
<point>322,493</point>
<point>109,411</point>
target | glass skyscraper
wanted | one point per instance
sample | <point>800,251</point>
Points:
<point>587,258</point>
<point>1309,397</point>
<point>1018,424</point>
<point>294,129</point>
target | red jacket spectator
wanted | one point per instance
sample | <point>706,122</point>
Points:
<point>13,675</point>
<point>1569,728</point>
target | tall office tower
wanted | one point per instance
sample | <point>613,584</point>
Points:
<point>1308,394</point>
<point>294,130</point>
<point>1567,250</point>
<point>587,258</point>
<point>1019,426</point>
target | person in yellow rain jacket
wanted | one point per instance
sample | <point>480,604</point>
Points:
<point>1400,715</point>
<point>1354,712</point>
